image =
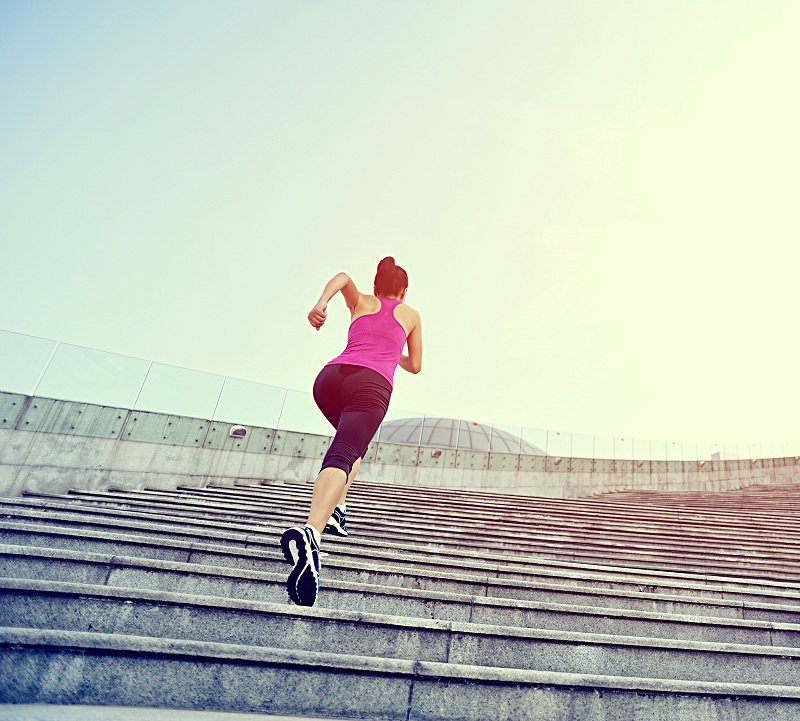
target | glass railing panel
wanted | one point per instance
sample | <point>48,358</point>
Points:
<point>534,441</point>
<point>22,360</point>
<point>623,449</point>
<point>641,449</point>
<point>704,451</point>
<point>473,436</point>
<point>688,451</point>
<point>180,391</point>
<point>658,450</point>
<point>508,439</point>
<point>403,427</point>
<point>92,376</point>
<point>733,452</point>
<point>583,445</point>
<point>438,432</point>
<point>559,443</point>
<point>674,451</point>
<point>604,447</point>
<point>301,415</point>
<point>250,404</point>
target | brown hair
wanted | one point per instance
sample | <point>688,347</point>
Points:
<point>390,279</point>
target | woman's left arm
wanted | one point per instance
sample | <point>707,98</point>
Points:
<point>413,361</point>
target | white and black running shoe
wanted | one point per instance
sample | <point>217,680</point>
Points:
<point>338,522</point>
<point>300,548</point>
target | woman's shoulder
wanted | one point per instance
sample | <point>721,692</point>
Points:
<point>369,302</point>
<point>406,311</point>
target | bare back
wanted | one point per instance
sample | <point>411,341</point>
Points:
<point>370,304</point>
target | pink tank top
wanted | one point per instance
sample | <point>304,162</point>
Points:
<point>375,341</point>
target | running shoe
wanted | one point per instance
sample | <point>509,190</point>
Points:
<point>301,550</point>
<point>338,523</point>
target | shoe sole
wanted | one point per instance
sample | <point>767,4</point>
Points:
<point>302,584</point>
<point>336,530</point>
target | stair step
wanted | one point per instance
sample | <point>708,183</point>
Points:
<point>50,666</point>
<point>56,712</point>
<point>756,568</point>
<point>83,607</point>
<point>58,564</point>
<point>582,619</point>
<point>261,554</point>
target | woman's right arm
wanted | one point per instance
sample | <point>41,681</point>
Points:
<point>339,282</point>
<point>413,361</point>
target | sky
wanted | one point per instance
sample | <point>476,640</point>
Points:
<point>596,203</point>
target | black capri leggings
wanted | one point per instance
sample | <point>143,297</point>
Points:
<point>355,400</point>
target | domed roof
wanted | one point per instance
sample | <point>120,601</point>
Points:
<point>454,433</point>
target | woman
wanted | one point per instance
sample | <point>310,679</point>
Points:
<point>353,393</point>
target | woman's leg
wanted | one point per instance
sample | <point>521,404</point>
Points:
<point>328,489</point>
<point>350,479</point>
<point>362,397</point>
<point>342,461</point>
<point>337,523</point>
<point>360,400</point>
<point>329,396</point>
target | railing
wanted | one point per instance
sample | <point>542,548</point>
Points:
<point>50,369</point>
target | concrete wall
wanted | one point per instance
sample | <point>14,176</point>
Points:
<point>51,446</point>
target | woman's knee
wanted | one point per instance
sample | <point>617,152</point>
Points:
<point>339,463</point>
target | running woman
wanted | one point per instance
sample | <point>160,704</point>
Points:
<point>353,393</point>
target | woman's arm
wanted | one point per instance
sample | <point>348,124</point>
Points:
<point>413,361</point>
<point>339,282</point>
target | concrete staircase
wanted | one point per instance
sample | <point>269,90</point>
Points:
<point>440,605</point>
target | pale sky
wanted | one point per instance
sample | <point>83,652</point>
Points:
<point>596,202</point>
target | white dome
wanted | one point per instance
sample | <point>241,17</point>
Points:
<point>453,433</point>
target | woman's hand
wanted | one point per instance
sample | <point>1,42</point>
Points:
<point>339,282</point>
<point>318,315</point>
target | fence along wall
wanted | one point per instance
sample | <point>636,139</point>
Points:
<point>49,445</point>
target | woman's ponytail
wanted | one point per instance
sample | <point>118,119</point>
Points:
<point>390,279</point>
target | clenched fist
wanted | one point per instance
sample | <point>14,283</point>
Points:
<point>318,315</point>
